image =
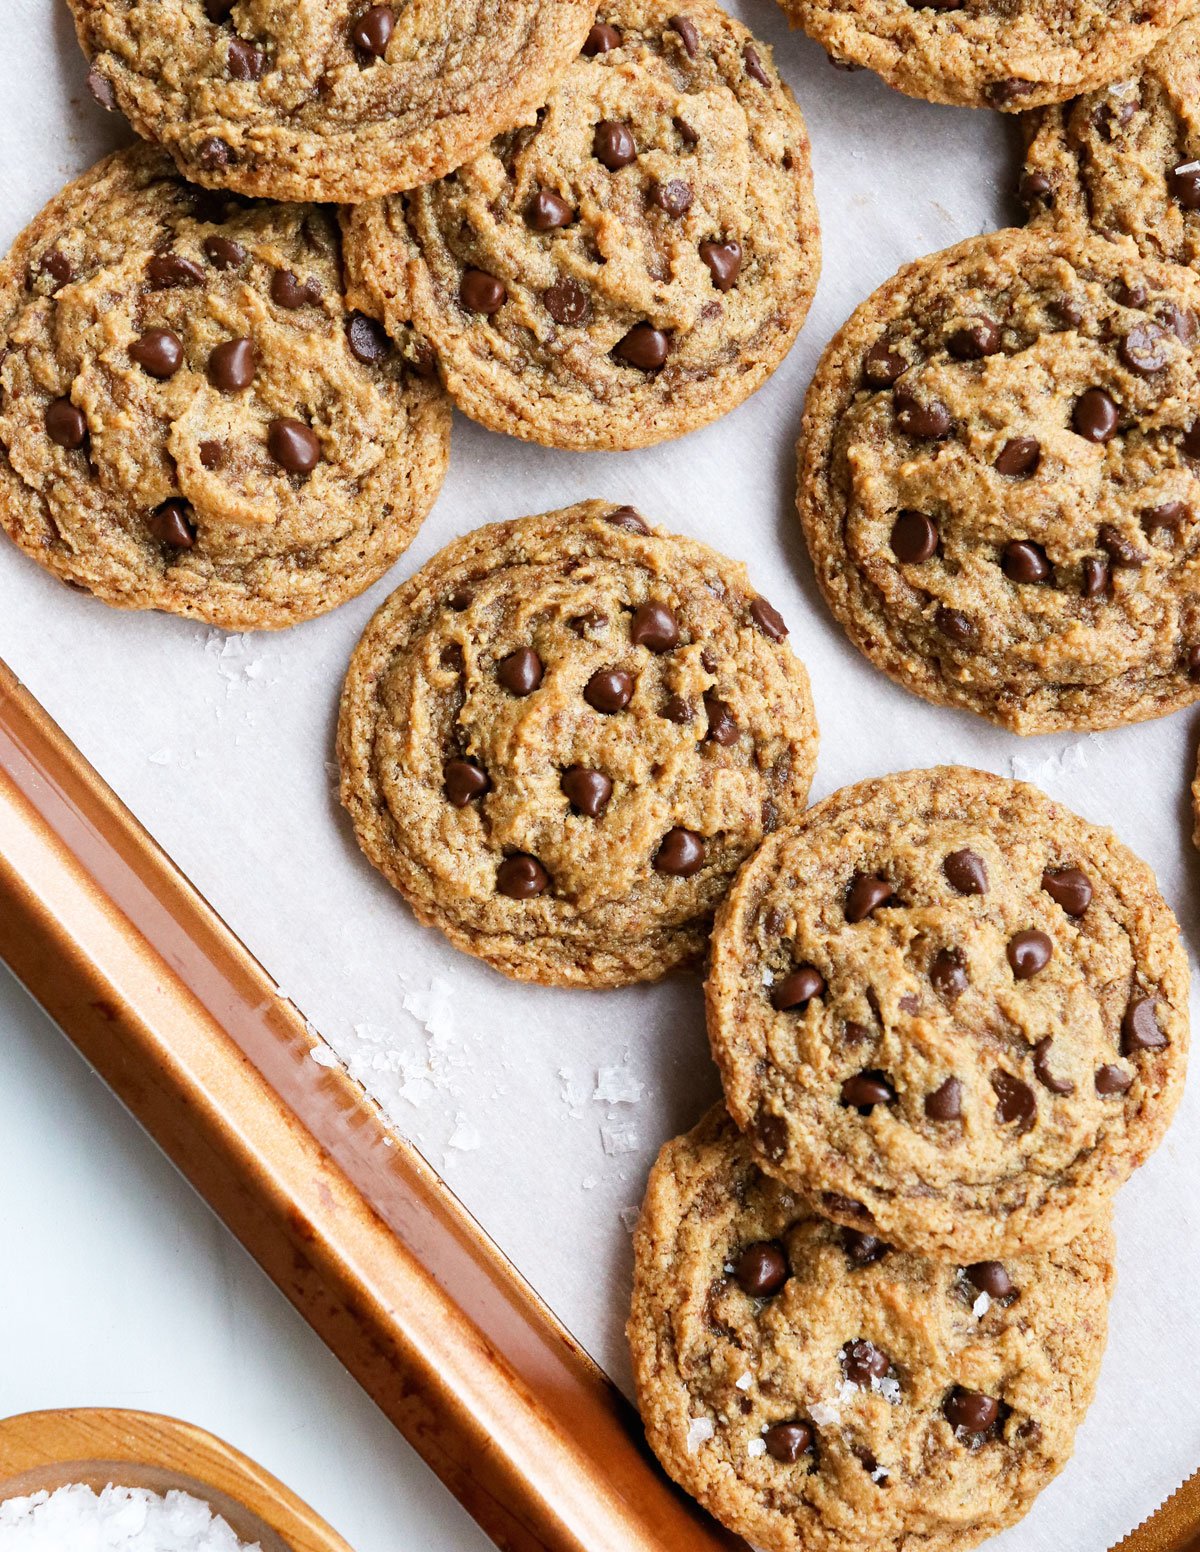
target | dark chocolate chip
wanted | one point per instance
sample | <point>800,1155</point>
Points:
<point>463,780</point>
<point>293,445</point>
<point>172,525</point>
<point>863,1362</point>
<point>882,367</point>
<point>628,518</point>
<point>567,302</point>
<point>158,352</point>
<point>1184,182</point>
<point>644,347</point>
<point>218,10</point>
<point>1120,550</point>
<point>1035,188</point>
<point>213,154</point>
<point>673,198</point>
<point>786,1442</point>
<point>520,672</point>
<point>288,291</point>
<point>1113,1080</point>
<point>945,1103</point>
<point>587,790</point>
<point>686,133</point>
<point>970,1411</point>
<point>1166,519</point>
<point>990,1278</point>
<point>1095,416</point>
<point>724,262</point>
<point>55,267</point>
<point>372,30</point>
<point>1139,1027</point>
<point>914,538</point>
<point>862,1249</point>
<point>212,454</point>
<point>232,365</point>
<point>1025,562</point>
<point>1144,349</point>
<point>722,724</point>
<point>866,894</point>
<point>101,89</point>
<point>680,853</point>
<point>1069,888</point>
<point>678,710</point>
<point>688,33</point>
<point>169,271</point>
<point>367,339</point>
<point>1009,93</point>
<point>602,39</point>
<point>613,144</point>
<point>1042,1072</point>
<point>867,1089</point>
<point>956,625</point>
<point>1019,457</point>
<point>223,253</point>
<point>1016,1100</point>
<point>609,690</point>
<point>768,619</point>
<point>548,212</point>
<point>1029,953</point>
<point>654,627</point>
<point>975,340</point>
<point>965,871</point>
<point>480,292</point>
<point>754,66</point>
<point>1096,576</point>
<point>65,424</point>
<point>761,1269</point>
<point>246,61</point>
<point>927,422</point>
<point>521,877</point>
<point>948,974</point>
<point>798,989</point>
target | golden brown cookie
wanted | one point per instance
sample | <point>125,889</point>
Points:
<point>190,418</point>
<point>821,1392</point>
<point>980,53</point>
<point>561,738</point>
<point>630,267</point>
<point>951,1011</point>
<point>1125,159</point>
<point>329,99</point>
<point>998,480</point>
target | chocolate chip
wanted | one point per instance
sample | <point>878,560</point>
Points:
<point>975,340</point>
<point>213,154</point>
<point>55,267</point>
<point>367,339</point>
<point>628,518</point>
<point>521,877</point>
<point>171,524</point>
<point>520,672</point>
<point>722,724</point>
<point>1041,1069</point>
<point>1069,888</point>
<point>882,367</point>
<point>1166,519</point>
<point>768,619</point>
<point>218,10</point>
<point>724,262</point>
<point>1035,188</point>
<point>678,710</point>
<point>1113,1080</point>
<point>673,198</point>
<point>1029,953</point>
<point>970,1411</point>
<point>754,66</point>
<point>945,1103</point>
<point>246,61</point>
<point>293,445</point>
<point>1139,1027</point>
<point>1095,576</point>
<point>613,144</point>
<point>232,365</point>
<point>1180,320</point>
<point>990,1278</point>
<point>866,894</point>
<point>1025,562</point>
<point>65,424</point>
<point>158,352</point>
<point>914,538</point>
<point>838,1205</point>
<point>948,973</point>
<point>959,627</point>
<point>1144,349</point>
<point>863,1362</point>
<point>1019,457</point>
<point>1184,182</point>
<point>686,133</point>
<point>548,212</point>
<point>966,872</point>
<point>1192,662</point>
<point>688,33</point>
<point>463,780</point>
<point>1121,551</point>
<point>680,853</point>
<point>101,89</point>
<point>786,1442</point>
<point>927,422</point>
<point>212,454</point>
<point>480,292</point>
<point>1095,416</point>
<point>761,1269</point>
<point>644,347</point>
<point>169,271</point>
<point>602,39</point>
<point>1190,442</point>
<point>287,290</point>
<point>587,790</point>
<point>861,1249</point>
<point>798,989</point>
<point>867,1089</point>
<point>1009,92</point>
<point>609,690</point>
<point>1016,1099</point>
<point>372,31</point>
<point>654,627</point>
<point>223,253</point>
<point>567,302</point>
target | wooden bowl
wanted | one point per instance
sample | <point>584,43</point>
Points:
<point>41,1451</point>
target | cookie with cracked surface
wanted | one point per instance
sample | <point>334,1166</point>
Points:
<point>331,100</point>
<point>561,738</point>
<point>632,266</point>
<point>981,54</point>
<point>1125,159</point>
<point>190,418</point>
<point>951,1011</point>
<point>819,1391</point>
<point>999,480</point>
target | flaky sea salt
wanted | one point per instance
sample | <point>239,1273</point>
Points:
<point>888,1387</point>
<point>324,1055</point>
<point>618,1137</point>
<point>465,1136</point>
<point>617,1086</point>
<point>630,1216</point>
<point>744,1381</point>
<point>825,1414</point>
<point>118,1519</point>
<point>756,1447</point>
<point>700,1431</point>
<point>981,1306</point>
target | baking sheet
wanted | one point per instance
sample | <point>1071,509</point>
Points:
<point>543,1109</point>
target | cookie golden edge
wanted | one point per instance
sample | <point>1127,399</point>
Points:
<point>648,958</point>
<point>1058,1213</point>
<point>361,163</point>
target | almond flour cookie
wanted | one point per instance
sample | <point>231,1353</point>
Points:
<point>630,267</point>
<point>1125,159</point>
<point>1006,54</point>
<point>951,1011</point>
<point>190,419</point>
<point>998,480</point>
<point>561,738</point>
<point>821,1392</point>
<point>329,99</point>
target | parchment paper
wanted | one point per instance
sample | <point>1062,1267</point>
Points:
<point>544,1109</point>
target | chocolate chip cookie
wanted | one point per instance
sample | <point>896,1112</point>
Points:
<point>631,266</point>
<point>331,99</point>
<point>1125,159</point>
<point>983,53</point>
<point>190,419</point>
<point>562,737</point>
<point>819,1391</point>
<point>999,480</point>
<point>951,1011</point>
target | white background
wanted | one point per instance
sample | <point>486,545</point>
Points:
<point>220,746</point>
